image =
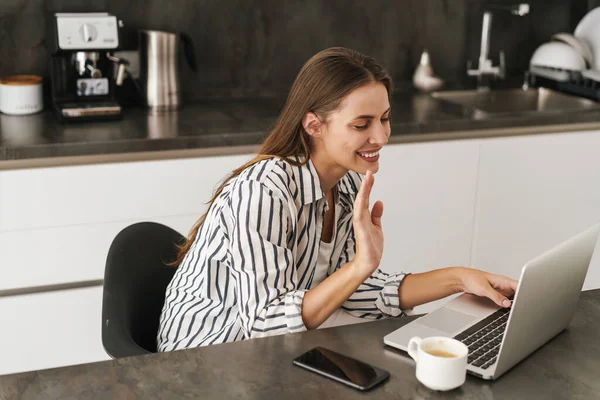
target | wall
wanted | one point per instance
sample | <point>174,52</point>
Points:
<point>256,47</point>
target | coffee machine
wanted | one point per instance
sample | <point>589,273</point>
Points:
<point>82,82</point>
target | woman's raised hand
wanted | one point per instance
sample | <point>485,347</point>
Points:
<point>367,229</point>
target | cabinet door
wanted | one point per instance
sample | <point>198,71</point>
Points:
<point>85,194</point>
<point>428,191</point>
<point>52,329</point>
<point>534,192</point>
<point>56,224</point>
<point>64,254</point>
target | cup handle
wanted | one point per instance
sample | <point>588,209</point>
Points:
<point>189,51</point>
<point>413,346</point>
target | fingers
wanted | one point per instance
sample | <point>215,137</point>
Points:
<point>361,203</point>
<point>513,285</point>
<point>365,191</point>
<point>505,284</point>
<point>497,298</point>
<point>376,213</point>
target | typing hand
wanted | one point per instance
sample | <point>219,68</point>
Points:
<point>367,228</point>
<point>498,288</point>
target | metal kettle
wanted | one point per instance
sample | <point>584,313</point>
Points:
<point>159,68</point>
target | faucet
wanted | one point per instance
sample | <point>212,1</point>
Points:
<point>485,67</point>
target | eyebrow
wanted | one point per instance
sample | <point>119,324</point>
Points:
<point>371,116</point>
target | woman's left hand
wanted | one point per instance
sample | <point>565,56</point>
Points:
<point>498,288</point>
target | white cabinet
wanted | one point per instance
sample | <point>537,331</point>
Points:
<point>428,191</point>
<point>65,254</point>
<point>51,329</point>
<point>534,192</point>
<point>56,224</point>
<point>75,195</point>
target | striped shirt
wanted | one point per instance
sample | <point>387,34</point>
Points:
<point>255,257</point>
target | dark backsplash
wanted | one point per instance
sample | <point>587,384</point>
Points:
<point>256,47</point>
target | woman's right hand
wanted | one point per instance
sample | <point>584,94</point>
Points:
<point>367,229</point>
<point>321,301</point>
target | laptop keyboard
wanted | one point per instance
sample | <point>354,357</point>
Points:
<point>484,338</point>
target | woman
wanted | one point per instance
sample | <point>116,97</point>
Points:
<point>288,242</point>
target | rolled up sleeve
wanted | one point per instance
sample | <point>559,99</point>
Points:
<point>377,297</point>
<point>262,265</point>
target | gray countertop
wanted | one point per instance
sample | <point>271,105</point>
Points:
<point>223,126</point>
<point>566,367</point>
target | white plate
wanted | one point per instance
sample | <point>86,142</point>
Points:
<point>588,29</point>
<point>582,46</point>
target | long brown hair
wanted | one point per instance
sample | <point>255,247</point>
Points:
<point>321,85</point>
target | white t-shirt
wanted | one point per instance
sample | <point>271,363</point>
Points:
<point>325,252</point>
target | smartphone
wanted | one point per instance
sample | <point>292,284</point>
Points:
<point>341,368</point>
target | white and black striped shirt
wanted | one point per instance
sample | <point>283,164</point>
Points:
<point>255,257</point>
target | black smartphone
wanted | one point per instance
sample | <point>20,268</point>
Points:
<point>341,368</point>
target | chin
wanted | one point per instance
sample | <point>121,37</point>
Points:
<point>362,169</point>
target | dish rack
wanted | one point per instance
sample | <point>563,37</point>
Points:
<point>579,83</point>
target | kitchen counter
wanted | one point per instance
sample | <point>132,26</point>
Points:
<point>566,367</point>
<point>226,126</point>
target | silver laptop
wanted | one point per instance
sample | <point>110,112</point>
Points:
<point>498,338</point>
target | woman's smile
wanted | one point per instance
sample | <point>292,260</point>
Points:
<point>370,156</point>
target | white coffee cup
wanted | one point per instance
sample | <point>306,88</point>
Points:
<point>441,362</point>
<point>21,94</point>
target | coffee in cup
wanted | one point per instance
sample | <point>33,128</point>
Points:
<point>441,353</point>
<point>441,361</point>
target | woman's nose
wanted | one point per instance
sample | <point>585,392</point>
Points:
<point>380,135</point>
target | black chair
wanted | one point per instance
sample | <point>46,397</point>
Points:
<point>135,280</point>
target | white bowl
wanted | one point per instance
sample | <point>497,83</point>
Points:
<point>558,55</point>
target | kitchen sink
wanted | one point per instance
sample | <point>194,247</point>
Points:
<point>517,102</point>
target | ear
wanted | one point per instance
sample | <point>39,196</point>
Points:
<point>312,124</point>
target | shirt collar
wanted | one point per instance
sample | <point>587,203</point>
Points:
<point>310,185</point>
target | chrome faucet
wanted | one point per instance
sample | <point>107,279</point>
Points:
<point>485,67</point>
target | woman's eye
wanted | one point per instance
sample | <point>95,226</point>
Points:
<point>386,119</point>
<point>361,127</point>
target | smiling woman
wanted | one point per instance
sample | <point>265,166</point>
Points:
<point>288,242</point>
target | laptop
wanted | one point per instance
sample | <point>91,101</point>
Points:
<point>499,338</point>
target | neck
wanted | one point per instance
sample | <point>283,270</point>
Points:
<point>329,174</point>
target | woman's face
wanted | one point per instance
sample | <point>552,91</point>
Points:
<point>354,134</point>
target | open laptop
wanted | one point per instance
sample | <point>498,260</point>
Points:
<point>499,338</point>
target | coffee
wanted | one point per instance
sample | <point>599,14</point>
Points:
<point>440,353</point>
<point>21,80</point>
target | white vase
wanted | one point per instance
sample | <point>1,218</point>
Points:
<point>424,79</point>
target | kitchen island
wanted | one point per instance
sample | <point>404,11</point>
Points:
<point>566,367</point>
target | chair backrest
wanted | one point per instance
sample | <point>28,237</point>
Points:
<point>135,280</point>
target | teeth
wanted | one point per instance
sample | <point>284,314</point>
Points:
<point>369,155</point>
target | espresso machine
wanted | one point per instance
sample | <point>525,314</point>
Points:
<point>82,67</point>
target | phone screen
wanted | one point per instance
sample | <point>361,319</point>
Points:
<point>342,368</point>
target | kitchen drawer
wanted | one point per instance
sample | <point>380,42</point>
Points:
<point>52,329</point>
<point>75,195</point>
<point>51,256</point>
